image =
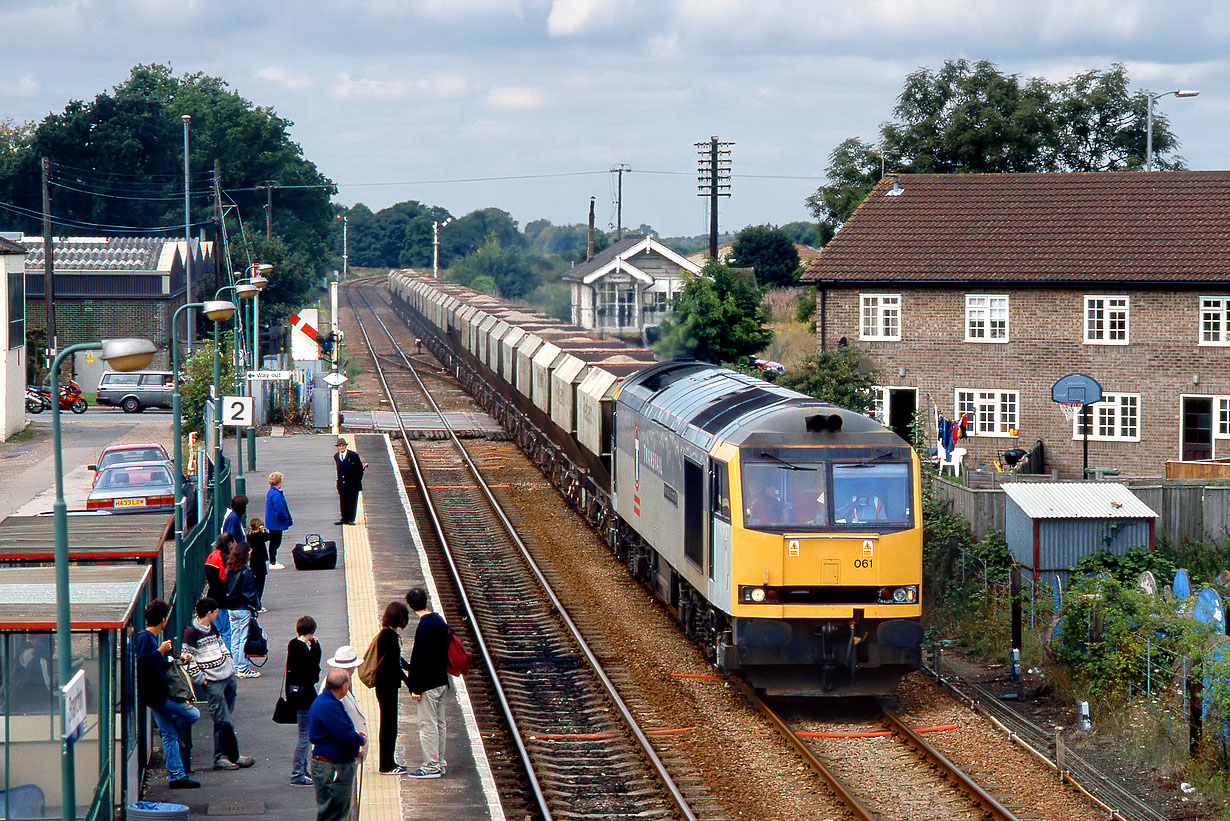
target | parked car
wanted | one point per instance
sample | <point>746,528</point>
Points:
<point>136,390</point>
<point>113,455</point>
<point>140,487</point>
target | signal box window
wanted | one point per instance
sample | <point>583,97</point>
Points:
<point>1106,320</point>
<point>881,317</point>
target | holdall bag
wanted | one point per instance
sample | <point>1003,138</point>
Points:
<point>256,646</point>
<point>458,657</point>
<point>314,554</point>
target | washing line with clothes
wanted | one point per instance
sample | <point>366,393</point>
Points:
<point>948,431</point>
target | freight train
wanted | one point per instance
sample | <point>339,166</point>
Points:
<point>783,532</point>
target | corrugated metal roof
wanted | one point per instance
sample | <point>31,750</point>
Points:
<point>1077,500</point>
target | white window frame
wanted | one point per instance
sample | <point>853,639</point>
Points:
<point>885,310</point>
<point>1118,413</point>
<point>1214,326</point>
<point>1221,422</point>
<point>982,316</point>
<point>879,404</point>
<point>1101,336</point>
<point>991,412</point>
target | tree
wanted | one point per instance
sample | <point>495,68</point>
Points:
<point>804,233</point>
<point>293,281</point>
<point>970,117</point>
<point>767,250</point>
<point>839,375</point>
<point>717,317</point>
<point>508,268</point>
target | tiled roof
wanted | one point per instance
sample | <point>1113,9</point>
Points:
<point>1161,227</point>
<point>98,253</point>
<point>8,246</point>
<point>603,257</point>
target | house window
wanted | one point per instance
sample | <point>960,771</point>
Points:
<point>879,403</point>
<point>881,317</point>
<point>1115,418</point>
<point>1213,320</point>
<point>17,309</point>
<point>1222,431</point>
<point>986,318</point>
<point>989,413</point>
<point>1106,320</point>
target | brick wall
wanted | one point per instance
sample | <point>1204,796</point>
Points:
<point>94,320</point>
<point>1046,332</point>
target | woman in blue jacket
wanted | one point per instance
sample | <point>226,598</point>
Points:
<point>277,518</point>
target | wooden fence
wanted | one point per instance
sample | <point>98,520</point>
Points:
<point>1189,512</point>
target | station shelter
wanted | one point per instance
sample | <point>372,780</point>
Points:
<point>107,605</point>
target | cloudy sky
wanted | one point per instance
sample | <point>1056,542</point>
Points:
<point>526,105</point>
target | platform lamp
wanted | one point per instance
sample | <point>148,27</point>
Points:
<point>216,311</point>
<point>242,290</point>
<point>120,355</point>
<point>258,275</point>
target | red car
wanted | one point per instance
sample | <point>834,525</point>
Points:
<point>114,455</point>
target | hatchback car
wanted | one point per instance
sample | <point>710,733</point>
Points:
<point>113,455</point>
<point>135,391</point>
<point>139,487</point>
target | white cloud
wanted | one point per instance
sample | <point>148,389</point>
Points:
<point>389,87</point>
<point>515,98</point>
<point>24,86</point>
<point>285,78</point>
<point>572,17</point>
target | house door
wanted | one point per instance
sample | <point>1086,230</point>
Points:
<point>1197,427</point>
<point>902,404</point>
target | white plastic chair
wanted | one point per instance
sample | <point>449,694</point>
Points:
<point>955,462</point>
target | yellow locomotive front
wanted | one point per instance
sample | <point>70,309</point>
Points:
<point>826,560</point>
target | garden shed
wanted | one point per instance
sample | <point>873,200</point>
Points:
<point>1050,526</point>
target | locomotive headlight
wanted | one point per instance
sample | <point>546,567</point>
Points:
<point>757,594</point>
<point>905,595</point>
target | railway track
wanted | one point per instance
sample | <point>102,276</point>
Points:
<point>582,751</point>
<point>881,769</point>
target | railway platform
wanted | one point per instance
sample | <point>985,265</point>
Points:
<point>379,559</point>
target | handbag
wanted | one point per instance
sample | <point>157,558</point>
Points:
<point>179,684</point>
<point>284,712</point>
<point>256,646</point>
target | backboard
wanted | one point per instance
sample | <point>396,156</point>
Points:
<point>1076,387</point>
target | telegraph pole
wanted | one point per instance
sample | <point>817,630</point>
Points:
<point>187,118</point>
<point>713,176</point>
<point>217,224</point>
<point>589,242</point>
<point>49,284</point>
<point>619,200</point>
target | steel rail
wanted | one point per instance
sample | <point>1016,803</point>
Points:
<point>963,781</point>
<point>523,753</point>
<point>853,804</point>
<point>634,728</point>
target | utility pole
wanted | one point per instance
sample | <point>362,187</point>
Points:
<point>187,118</point>
<point>268,186</point>
<point>49,281</point>
<point>713,175</point>
<point>619,200</point>
<point>589,242</point>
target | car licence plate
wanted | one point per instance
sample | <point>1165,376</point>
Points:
<point>130,503</point>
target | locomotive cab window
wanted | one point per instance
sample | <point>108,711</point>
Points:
<point>871,493</point>
<point>719,491</point>
<point>784,495</point>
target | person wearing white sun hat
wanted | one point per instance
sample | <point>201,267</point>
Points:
<point>347,658</point>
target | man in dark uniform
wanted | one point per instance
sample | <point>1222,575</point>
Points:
<point>349,481</point>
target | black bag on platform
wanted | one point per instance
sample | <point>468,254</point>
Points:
<point>256,646</point>
<point>315,554</point>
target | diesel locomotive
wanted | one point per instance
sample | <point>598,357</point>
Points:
<point>783,532</point>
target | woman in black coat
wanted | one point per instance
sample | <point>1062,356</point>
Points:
<point>390,675</point>
<point>244,603</point>
<point>302,673</point>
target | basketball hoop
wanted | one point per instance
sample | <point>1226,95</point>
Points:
<point>1071,410</point>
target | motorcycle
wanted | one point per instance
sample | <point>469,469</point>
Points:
<point>35,402</point>
<point>70,397</point>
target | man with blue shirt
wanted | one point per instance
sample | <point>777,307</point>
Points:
<point>336,744</point>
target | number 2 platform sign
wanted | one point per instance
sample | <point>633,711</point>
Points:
<point>237,411</point>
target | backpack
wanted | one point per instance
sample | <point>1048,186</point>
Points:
<point>366,672</point>
<point>458,657</point>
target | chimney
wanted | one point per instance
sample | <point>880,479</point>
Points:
<point>589,245</point>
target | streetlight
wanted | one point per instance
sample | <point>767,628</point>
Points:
<point>243,289</point>
<point>216,311</point>
<point>120,355</point>
<point>258,275</point>
<point>435,246</point>
<point>1149,120</point>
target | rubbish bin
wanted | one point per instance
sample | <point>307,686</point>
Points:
<point>157,811</point>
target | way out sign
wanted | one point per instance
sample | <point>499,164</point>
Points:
<point>237,411</point>
<point>74,708</point>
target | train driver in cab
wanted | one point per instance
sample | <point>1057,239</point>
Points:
<point>862,508</point>
<point>766,508</point>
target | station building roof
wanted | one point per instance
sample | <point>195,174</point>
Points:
<point>131,536</point>
<point>100,598</point>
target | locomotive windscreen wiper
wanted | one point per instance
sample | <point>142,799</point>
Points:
<point>875,458</point>
<point>790,465</point>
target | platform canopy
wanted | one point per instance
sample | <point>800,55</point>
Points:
<point>101,598</point>
<point>90,536</point>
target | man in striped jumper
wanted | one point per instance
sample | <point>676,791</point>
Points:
<point>214,671</point>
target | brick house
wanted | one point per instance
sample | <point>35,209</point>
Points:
<point>627,287</point>
<point>973,293</point>
<point>111,287</point>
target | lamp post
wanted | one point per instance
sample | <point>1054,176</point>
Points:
<point>217,311</point>
<point>1149,120</point>
<point>243,290</point>
<point>258,275</point>
<point>435,246</point>
<point>120,355</point>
